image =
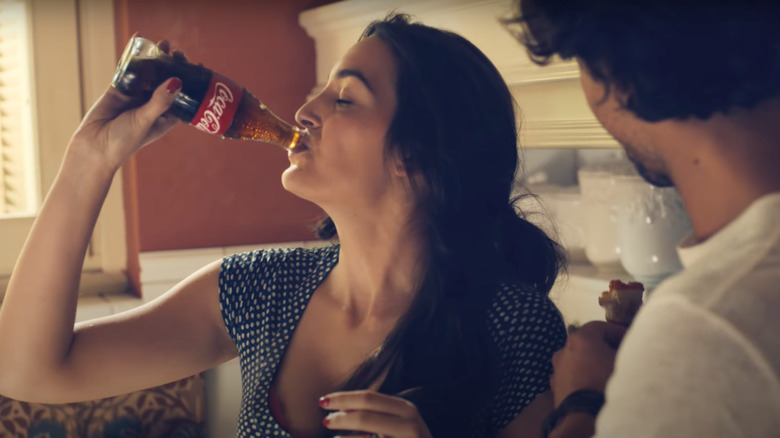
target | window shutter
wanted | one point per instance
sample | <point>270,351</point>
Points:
<point>17,174</point>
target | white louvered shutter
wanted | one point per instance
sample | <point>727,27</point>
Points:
<point>17,154</point>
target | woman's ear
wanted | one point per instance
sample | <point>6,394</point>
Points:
<point>399,166</point>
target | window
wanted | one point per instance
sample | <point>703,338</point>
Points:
<point>68,50</point>
<point>18,188</point>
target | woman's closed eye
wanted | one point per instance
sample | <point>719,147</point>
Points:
<point>343,102</point>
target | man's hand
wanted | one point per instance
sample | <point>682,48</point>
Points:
<point>587,360</point>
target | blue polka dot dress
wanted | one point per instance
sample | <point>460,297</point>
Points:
<point>263,294</point>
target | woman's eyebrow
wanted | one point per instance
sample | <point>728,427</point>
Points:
<point>356,74</point>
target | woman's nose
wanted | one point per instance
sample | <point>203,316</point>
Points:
<point>306,116</point>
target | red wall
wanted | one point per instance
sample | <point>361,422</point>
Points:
<point>193,190</point>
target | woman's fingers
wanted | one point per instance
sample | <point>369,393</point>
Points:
<point>118,126</point>
<point>164,46</point>
<point>109,105</point>
<point>161,100</point>
<point>179,56</point>
<point>153,116</point>
<point>359,435</point>
<point>369,401</point>
<point>371,422</point>
<point>373,413</point>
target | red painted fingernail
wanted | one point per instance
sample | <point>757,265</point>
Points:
<point>174,86</point>
<point>326,421</point>
<point>324,402</point>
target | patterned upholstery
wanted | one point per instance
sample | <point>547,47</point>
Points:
<point>175,410</point>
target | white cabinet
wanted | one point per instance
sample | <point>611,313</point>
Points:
<point>554,110</point>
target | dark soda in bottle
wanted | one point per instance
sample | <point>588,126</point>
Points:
<point>207,100</point>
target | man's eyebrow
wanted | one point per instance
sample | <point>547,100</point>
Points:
<point>356,74</point>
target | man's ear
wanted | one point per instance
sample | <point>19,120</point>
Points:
<point>605,89</point>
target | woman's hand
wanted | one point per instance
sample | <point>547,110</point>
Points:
<point>587,360</point>
<point>374,414</point>
<point>117,126</point>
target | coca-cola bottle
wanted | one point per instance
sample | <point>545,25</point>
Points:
<point>207,100</point>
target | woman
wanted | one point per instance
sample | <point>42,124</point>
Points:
<point>429,317</point>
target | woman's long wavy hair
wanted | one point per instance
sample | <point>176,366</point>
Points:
<point>455,127</point>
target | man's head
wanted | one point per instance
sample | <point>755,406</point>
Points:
<point>660,60</point>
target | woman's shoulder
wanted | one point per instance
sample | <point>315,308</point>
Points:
<point>271,273</point>
<point>274,268</point>
<point>273,259</point>
<point>513,299</point>
<point>526,329</point>
<point>520,313</point>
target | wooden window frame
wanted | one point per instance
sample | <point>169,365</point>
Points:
<point>75,39</point>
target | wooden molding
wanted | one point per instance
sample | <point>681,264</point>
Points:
<point>582,133</point>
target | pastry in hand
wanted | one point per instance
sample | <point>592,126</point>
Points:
<point>622,301</point>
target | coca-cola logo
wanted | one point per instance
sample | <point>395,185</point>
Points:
<point>212,116</point>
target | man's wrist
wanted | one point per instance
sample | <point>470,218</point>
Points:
<point>575,425</point>
<point>586,402</point>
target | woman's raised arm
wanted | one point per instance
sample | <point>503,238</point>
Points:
<point>43,358</point>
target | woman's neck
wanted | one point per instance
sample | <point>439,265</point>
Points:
<point>381,264</point>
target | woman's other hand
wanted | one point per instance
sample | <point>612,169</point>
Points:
<point>374,414</point>
<point>587,360</point>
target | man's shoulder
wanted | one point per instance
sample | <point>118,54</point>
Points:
<point>739,304</point>
<point>721,367</point>
<point>742,290</point>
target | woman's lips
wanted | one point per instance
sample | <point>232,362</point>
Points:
<point>301,147</point>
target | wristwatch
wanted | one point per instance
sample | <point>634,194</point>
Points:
<point>588,401</point>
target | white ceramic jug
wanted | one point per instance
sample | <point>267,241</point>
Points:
<point>599,194</point>
<point>651,223</point>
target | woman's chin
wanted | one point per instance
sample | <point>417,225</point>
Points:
<point>288,177</point>
<point>292,182</point>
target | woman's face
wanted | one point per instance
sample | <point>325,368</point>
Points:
<point>342,162</point>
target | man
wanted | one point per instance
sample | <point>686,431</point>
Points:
<point>691,90</point>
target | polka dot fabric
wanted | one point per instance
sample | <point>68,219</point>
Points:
<point>263,294</point>
<point>527,329</point>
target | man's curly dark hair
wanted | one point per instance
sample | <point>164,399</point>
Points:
<point>671,59</point>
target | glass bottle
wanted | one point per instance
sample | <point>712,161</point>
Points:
<point>207,100</point>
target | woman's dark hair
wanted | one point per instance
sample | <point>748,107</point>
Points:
<point>672,58</point>
<point>455,127</point>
